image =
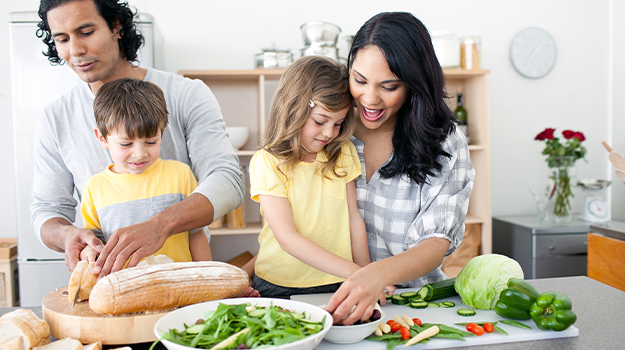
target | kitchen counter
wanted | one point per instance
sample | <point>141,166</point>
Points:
<point>600,310</point>
<point>612,229</point>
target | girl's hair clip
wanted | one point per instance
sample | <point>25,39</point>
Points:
<point>311,104</point>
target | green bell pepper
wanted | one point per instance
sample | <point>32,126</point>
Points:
<point>552,310</point>
<point>515,301</point>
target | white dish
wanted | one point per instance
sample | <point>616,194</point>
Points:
<point>352,334</point>
<point>238,135</point>
<point>189,314</point>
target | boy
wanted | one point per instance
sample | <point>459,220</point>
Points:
<point>131,116</point>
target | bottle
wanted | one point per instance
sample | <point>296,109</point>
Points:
<point>461,114</point>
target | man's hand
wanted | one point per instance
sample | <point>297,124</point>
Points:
<point>60,235</point>
<point>136,241</point>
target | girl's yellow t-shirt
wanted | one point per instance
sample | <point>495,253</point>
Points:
<point>320,212</point>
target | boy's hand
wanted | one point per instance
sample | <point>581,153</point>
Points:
<point>88,254</point>
<point>76,241</point>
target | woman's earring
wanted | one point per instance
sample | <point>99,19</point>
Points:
<point>311,104</point>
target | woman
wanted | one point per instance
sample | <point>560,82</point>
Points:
<point>417,180</point>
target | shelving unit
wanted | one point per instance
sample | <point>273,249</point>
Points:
<point>245,97</point>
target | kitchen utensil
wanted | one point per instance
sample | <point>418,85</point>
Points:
<point>596,209</point>
<point>87,326</point>
<point>615,157</point>
<point>319,33</point>
<point>352,334</point>
<point>446,316</point>
<point>273,58</point>
<point>75,298</point>
<point>189,314</point>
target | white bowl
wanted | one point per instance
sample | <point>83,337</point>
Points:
<point>190,314</point>
<point>352,334</point>
<point>238,135</point>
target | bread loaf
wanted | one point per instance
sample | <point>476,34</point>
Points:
<point>62,344</point>
<point>155,260</point>
<point>75,279</point>
<point>15,343</point>
<point>25,324</point>
<point>93,346</point>
<point>166,286</point>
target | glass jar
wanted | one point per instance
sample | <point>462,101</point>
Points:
<point>470,52</point>
<point>446,49</point>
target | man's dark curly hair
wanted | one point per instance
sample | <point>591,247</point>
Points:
<point>111,10</point>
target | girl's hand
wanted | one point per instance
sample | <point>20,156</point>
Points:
<point>389,290</point>
<point>359,290</point>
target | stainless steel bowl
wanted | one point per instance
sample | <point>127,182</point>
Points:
<point>319,33</point>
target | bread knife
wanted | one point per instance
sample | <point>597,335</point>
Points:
<point>78,289</point>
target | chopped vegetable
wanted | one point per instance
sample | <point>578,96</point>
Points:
<point>447,304</point>
<point>552,310</point>
<point>482,279</point>
<point>232,326</point>
<point>385,328</point>
<point>466,312</point>
<point>399,300</point>
<point>418,304</point>
<point>409,295</point>
<point>431,304</point>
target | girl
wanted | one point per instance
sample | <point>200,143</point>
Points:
<point>303,176</point>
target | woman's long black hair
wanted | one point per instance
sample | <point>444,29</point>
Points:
<point>424,121</point>
<point>111,10</point>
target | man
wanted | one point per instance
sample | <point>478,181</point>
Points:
<point>98,40</point>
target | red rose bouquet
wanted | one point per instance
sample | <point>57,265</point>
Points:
<point>561,156</point>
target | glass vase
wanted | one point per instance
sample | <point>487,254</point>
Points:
<point>562,175</point>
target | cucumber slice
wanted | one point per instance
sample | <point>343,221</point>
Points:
<point>466,312</point>
<point>398,300</point>
<point>195,329</point>
<point>388,297</point>
<point>447,304</point>
<point>409,295</point>
<point>433,305</point>
<point>420,304</point>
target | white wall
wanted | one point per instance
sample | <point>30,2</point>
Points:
<point>575,95</point>
<point>618,105</point>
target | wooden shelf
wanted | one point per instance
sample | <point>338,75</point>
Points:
<point>464,73</point>
<point>245,152</point>
<point>251,74</point>
<point>477,148</point>
<point>250,229</point>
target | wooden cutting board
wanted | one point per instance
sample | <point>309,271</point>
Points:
<point>87,326</point>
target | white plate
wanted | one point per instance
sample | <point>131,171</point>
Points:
<point>189,314</point>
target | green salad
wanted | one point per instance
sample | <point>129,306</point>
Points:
<point>245,327</point>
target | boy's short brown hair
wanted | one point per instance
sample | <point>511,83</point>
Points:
<point>133,106</point>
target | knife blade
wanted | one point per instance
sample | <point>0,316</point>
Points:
<point>78,288</point>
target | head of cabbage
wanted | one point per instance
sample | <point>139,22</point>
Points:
<point>484,277</point>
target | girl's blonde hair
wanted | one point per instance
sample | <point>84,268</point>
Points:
<point>325,83</point>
